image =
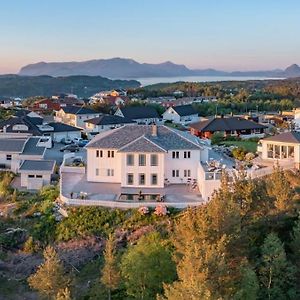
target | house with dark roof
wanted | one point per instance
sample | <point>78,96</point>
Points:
<point>36,173</point>
<point>25,126</point>
<point>229,126</point>
<point>283,147</point>
<point>181,114</point>
<point>75,115</point>
<point>14,151</point>
<point>105,122</point>
<point>141,114</point>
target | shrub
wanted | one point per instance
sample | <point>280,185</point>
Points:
<point>239,153</point>
<point>217,138</point>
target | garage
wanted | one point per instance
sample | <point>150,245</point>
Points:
<point>62,131</point>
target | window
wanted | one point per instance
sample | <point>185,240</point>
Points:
<point>270,151</point>
<point>142,179</point>
<point>187,173</point>
<point>99,153</point>
<point>154,160</point>
<point>154,179</point>
<point>108,153</point>
<point>130,160</point>
<point>97,172</point>
<point>187,154</point>
<point>112,153</point>
<point>142,160</point>
<point>129,178</point>
<point>110,172</point>
<point>175,173</point>
<point>39,176</point>
<point>175,154</point>
<point>291,151</point>
<point>30,176</point>
<point>8,157</point>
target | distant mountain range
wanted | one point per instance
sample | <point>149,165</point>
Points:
<point>129,68</point>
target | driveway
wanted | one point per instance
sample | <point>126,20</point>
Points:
<point>55,154</point>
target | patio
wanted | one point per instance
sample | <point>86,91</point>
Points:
<point>75,190</point>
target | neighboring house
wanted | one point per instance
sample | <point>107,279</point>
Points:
<point>14,151</point>
<point>183,114</point>
<point>297,118</point>
<point>283,147</point>
<point>9,102</point>
<point>45,105</point>
<point>36,173</point>
<point>105,122</point>
<point>75,116</point>
<point>140,114</point>
<point>59,131</point>
<point>21,126</point>
<point>229,126</point>
<point>27,126</point>
<point>149,157</point>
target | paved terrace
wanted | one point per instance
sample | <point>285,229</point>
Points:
<point>108,194</point>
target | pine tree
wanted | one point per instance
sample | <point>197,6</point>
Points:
<point>277,276</point>
<point>202,273</point>
<point>280,190</point>
<point>248,287</point>
<point>295,243</point>
<point>50,276</point>
<point>146,266</point>
<point>110,273</point>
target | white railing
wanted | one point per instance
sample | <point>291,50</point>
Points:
<point>124,205</point>
<point>269,170</point>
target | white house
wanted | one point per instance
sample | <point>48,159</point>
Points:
<point>149,157</point>
<point>282,147</point>
<point>140,114</point>
<point>75,115</point>
<point>105,122</point>
<point>182,114</point>
<point>36,173</point>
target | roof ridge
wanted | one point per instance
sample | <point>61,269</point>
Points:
<point>183,137</point>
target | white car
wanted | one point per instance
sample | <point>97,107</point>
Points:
<point>77,140</point>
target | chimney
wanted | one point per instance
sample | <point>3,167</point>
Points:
<point>154,130</point>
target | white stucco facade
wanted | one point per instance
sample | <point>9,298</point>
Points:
<point>171,115</point>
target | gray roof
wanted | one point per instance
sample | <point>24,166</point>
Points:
<point>142,144</point>
<point>109,120</point>
<point>38,165</point>
<point>78,110</point>
<point>139,112</point>
<point>166,138</point>
<point>61,127</point>
<point>12,145</point>
<point>185,110</point>
<point>226,124</point>
<point>31,147</point>
<point>292,137</point>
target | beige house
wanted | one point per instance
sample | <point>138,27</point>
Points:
<point>36,173</point>
<point>282,147</point>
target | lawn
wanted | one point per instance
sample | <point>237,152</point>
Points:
<point>249,146</point>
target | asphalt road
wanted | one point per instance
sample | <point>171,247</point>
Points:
<point>55,154</point>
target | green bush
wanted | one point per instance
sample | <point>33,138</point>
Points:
<point>217,138</point>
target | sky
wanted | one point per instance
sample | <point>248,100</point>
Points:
<point>221,34</point>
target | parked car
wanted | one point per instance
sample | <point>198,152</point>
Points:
<point>82,143</point>
<point>70,148</point>
<point>76,140</point>
<point>66,141</point>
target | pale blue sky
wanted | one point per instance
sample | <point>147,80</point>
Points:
<point>223,34</point>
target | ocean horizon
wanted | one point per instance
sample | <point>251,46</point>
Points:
<point>155,80</point>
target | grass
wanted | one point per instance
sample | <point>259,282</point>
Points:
<point>249,146</point>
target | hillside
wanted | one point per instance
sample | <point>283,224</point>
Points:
<point>83,86</point>
<point>129,68</point>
